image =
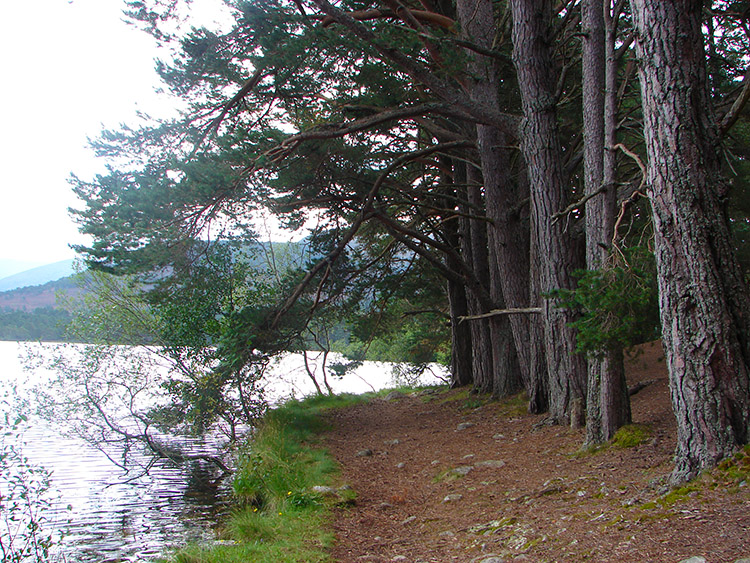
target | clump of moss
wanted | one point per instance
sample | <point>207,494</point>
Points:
<point>735,469</point>
<point>631,435</point>
<point>515,405</point>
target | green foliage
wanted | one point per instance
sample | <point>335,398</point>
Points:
<point>24,498</point>
<point>617,305</point>
<point>40,324</point>
<point>280,517</point>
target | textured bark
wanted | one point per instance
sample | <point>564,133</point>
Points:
<point>608,402</point>
<point>461,346</point>
<point>703,298</point>
<point>474,251</point>
<point>508,236</point>
<point>566,370</point>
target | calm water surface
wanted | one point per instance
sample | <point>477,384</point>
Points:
<point>104,519</point>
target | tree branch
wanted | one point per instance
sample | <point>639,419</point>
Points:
<point>478,112</point>
<point>730,118</point>
<point>336,130</point>
<point>374,14</point>
<point>365,213</point>
<point>499,312</point>
<point>578,204</point>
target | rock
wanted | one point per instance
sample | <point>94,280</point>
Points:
<point>395,442</point>
<point>498,437</point>
<point>493,560</point>
<point>464,425</point>
<point>453,498</point>
<point>325,491</point>
<point>462,470</point>
<point>409,520</point>
<point>364,453</point>
<point>446,534</point>
<point>394,396</point>
<point>400,465</point>
<point>695,559</point>
<point>435,462</point>
<point>493,463</point>
<point>468,456</point>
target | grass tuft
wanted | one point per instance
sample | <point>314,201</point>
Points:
<point>280,517</point>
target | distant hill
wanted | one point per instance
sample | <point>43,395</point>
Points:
<point>29,309</point>
<point>38,276</point>
<point>8,266</point>
<point>32,313</point>
<point>36,296</point>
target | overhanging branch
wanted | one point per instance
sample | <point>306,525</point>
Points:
<point>500,312</point>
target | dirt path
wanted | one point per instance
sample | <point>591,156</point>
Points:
<point>526,494</point>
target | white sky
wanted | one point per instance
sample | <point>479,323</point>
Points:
<point>69,68</point>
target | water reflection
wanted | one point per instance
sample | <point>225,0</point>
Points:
<point>105,520</point>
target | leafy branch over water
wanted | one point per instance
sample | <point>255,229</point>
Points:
<point>24,496</point>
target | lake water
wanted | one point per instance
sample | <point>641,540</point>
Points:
<point>104,519</point>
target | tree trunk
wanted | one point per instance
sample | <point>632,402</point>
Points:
<point>704,304</point>
<point>508,237</point>
<point>608,402</point>
<point>555,247</point>
<point>474,251</point>
<point>461,346</point>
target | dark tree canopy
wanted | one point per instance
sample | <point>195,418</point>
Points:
<point>451,161</point>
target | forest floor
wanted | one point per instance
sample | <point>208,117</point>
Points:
<point>505,488</point>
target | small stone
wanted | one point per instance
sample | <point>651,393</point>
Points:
<point>468,456</point>
<point>453,498</point>
<point>435,462</point>
<point>463,470</point>
<point>493,463</point>
<point>394,395</point>
<point>464,425</point>
<point>400,465</point>
<point>498,437</point>
<point>326,491</point>
<point>399,558</point>
<point>446,534</point>
<point>364,453</point>
<point>694,559</point>
<point>493,560</point>
<point>409,520</point>
<point>581,493</point>
<point>395,442</point>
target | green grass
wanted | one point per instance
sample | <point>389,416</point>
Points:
<point>278,516</point>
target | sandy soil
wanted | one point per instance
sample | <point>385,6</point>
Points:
<point>539,499</point>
